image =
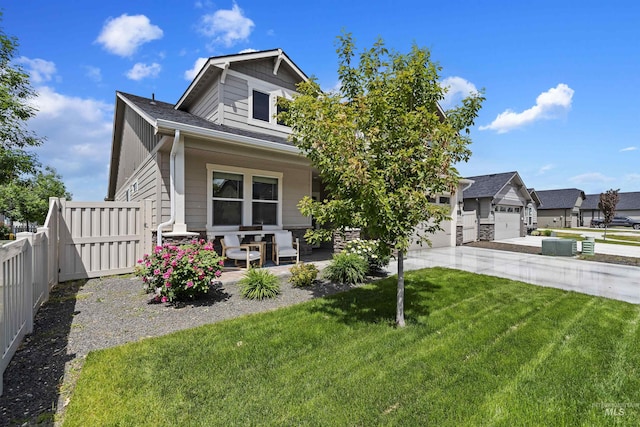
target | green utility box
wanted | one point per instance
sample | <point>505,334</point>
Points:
<point>588,246</point>
<point>559,247</point>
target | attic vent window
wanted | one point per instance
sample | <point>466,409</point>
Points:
<point>261,106</point>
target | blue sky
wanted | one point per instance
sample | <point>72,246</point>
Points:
<point>562,79</point>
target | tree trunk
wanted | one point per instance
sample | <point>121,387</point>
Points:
<point>400,302</point>
<point>605,232</point>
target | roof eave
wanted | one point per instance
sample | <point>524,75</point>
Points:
<point>168,126</point>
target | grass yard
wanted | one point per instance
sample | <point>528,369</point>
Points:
<point>477,350</point>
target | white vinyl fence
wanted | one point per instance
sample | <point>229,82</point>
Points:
<point>79,240</point>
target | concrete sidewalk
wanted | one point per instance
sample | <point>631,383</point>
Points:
<point>594,278</point>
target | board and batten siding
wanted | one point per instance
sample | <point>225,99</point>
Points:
<point>206,105</point>
<point>140,140</point>
<point>296,180</point>
<point>511,197</point>
<point>263,70</point>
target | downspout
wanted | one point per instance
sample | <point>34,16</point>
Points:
<point>172,168</point>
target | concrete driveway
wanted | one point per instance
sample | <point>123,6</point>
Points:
<point>594,278</point>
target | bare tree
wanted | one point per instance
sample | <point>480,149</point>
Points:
<point>607,204</point>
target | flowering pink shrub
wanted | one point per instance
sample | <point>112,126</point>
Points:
<point>180,272</point>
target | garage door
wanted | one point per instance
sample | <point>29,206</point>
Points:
<point>507,225</point>
<point>439,239</point>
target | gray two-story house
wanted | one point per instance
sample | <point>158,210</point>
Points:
<point>218,160</point>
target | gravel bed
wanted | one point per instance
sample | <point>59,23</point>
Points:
<point>83,316</point>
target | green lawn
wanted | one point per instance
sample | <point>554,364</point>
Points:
<point>477,350</point>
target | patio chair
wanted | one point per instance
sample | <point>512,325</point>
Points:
<point>232,249</point>
<point>285,247</point>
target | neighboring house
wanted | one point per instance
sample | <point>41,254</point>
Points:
<point>217,160</point>
<point>500,202</point>
<point>628,205</point>
<point>531,211</point>
<point>560,208</point>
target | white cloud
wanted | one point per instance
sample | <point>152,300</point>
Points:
<point>629,149</point>
<point>590,177</point>
<point>39,70</point>
<point>550,104</point>
<point>545,169</point>
<point>197,66</point>
<point>249,50</point>
<point>78,140</point>
<point>94,73</point>
<point>125,34</point>
<point>457,89</point>
<point>227,26</point>
<point>632,177</point>
<point>141,71</point>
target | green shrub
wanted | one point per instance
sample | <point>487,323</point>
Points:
<point>371,251</point>
<point>303,274</point>
<point>5,231</point>
<point>546,233</point>
<point>259,283</point>
<point>349,268</point>
<point>535,233</point>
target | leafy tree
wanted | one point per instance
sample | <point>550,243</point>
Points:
<point>27,200</point>
<point>382,146</point>
<point>15,110</point>
<point>607,204</point>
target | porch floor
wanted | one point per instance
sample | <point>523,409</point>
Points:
<point>320,257</point>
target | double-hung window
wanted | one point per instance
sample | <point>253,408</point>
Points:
<point>228,189</point>
<point>241,196</point>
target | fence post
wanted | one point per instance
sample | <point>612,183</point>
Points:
<point>27,275</point>
<point>44,260</point>
<point>147,237</point>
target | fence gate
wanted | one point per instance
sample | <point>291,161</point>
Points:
<point>102,238</point>
<point>469,226</point>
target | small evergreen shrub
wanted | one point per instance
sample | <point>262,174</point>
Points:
<point>546,233</point>
<point>371,251</point>
<point>5,231</point>
<point>348,268</point>
<point>259,283</point>
<point>182,272</point>
<point>303,275</point>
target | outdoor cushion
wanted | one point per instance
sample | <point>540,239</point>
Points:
<point>232,249</point>
<point>284,247</point>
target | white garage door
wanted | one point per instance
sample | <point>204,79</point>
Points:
<point>507,225</point>
<point>439,239</point>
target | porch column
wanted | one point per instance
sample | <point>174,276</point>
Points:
<point>179,226</point>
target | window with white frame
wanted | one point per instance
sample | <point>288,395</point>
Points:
<point>241,196</point>
<point>263,104</point>
<point>227,196</point>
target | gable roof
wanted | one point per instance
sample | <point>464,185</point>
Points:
<point>490,185</point>
<point>626,201</point>
<point>219,64</point>
<point>559,199</point>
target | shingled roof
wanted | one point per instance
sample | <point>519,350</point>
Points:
<point>487,185</point>
<point>155,110</point>
<point>559,199</point>
<point>626,202</point>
